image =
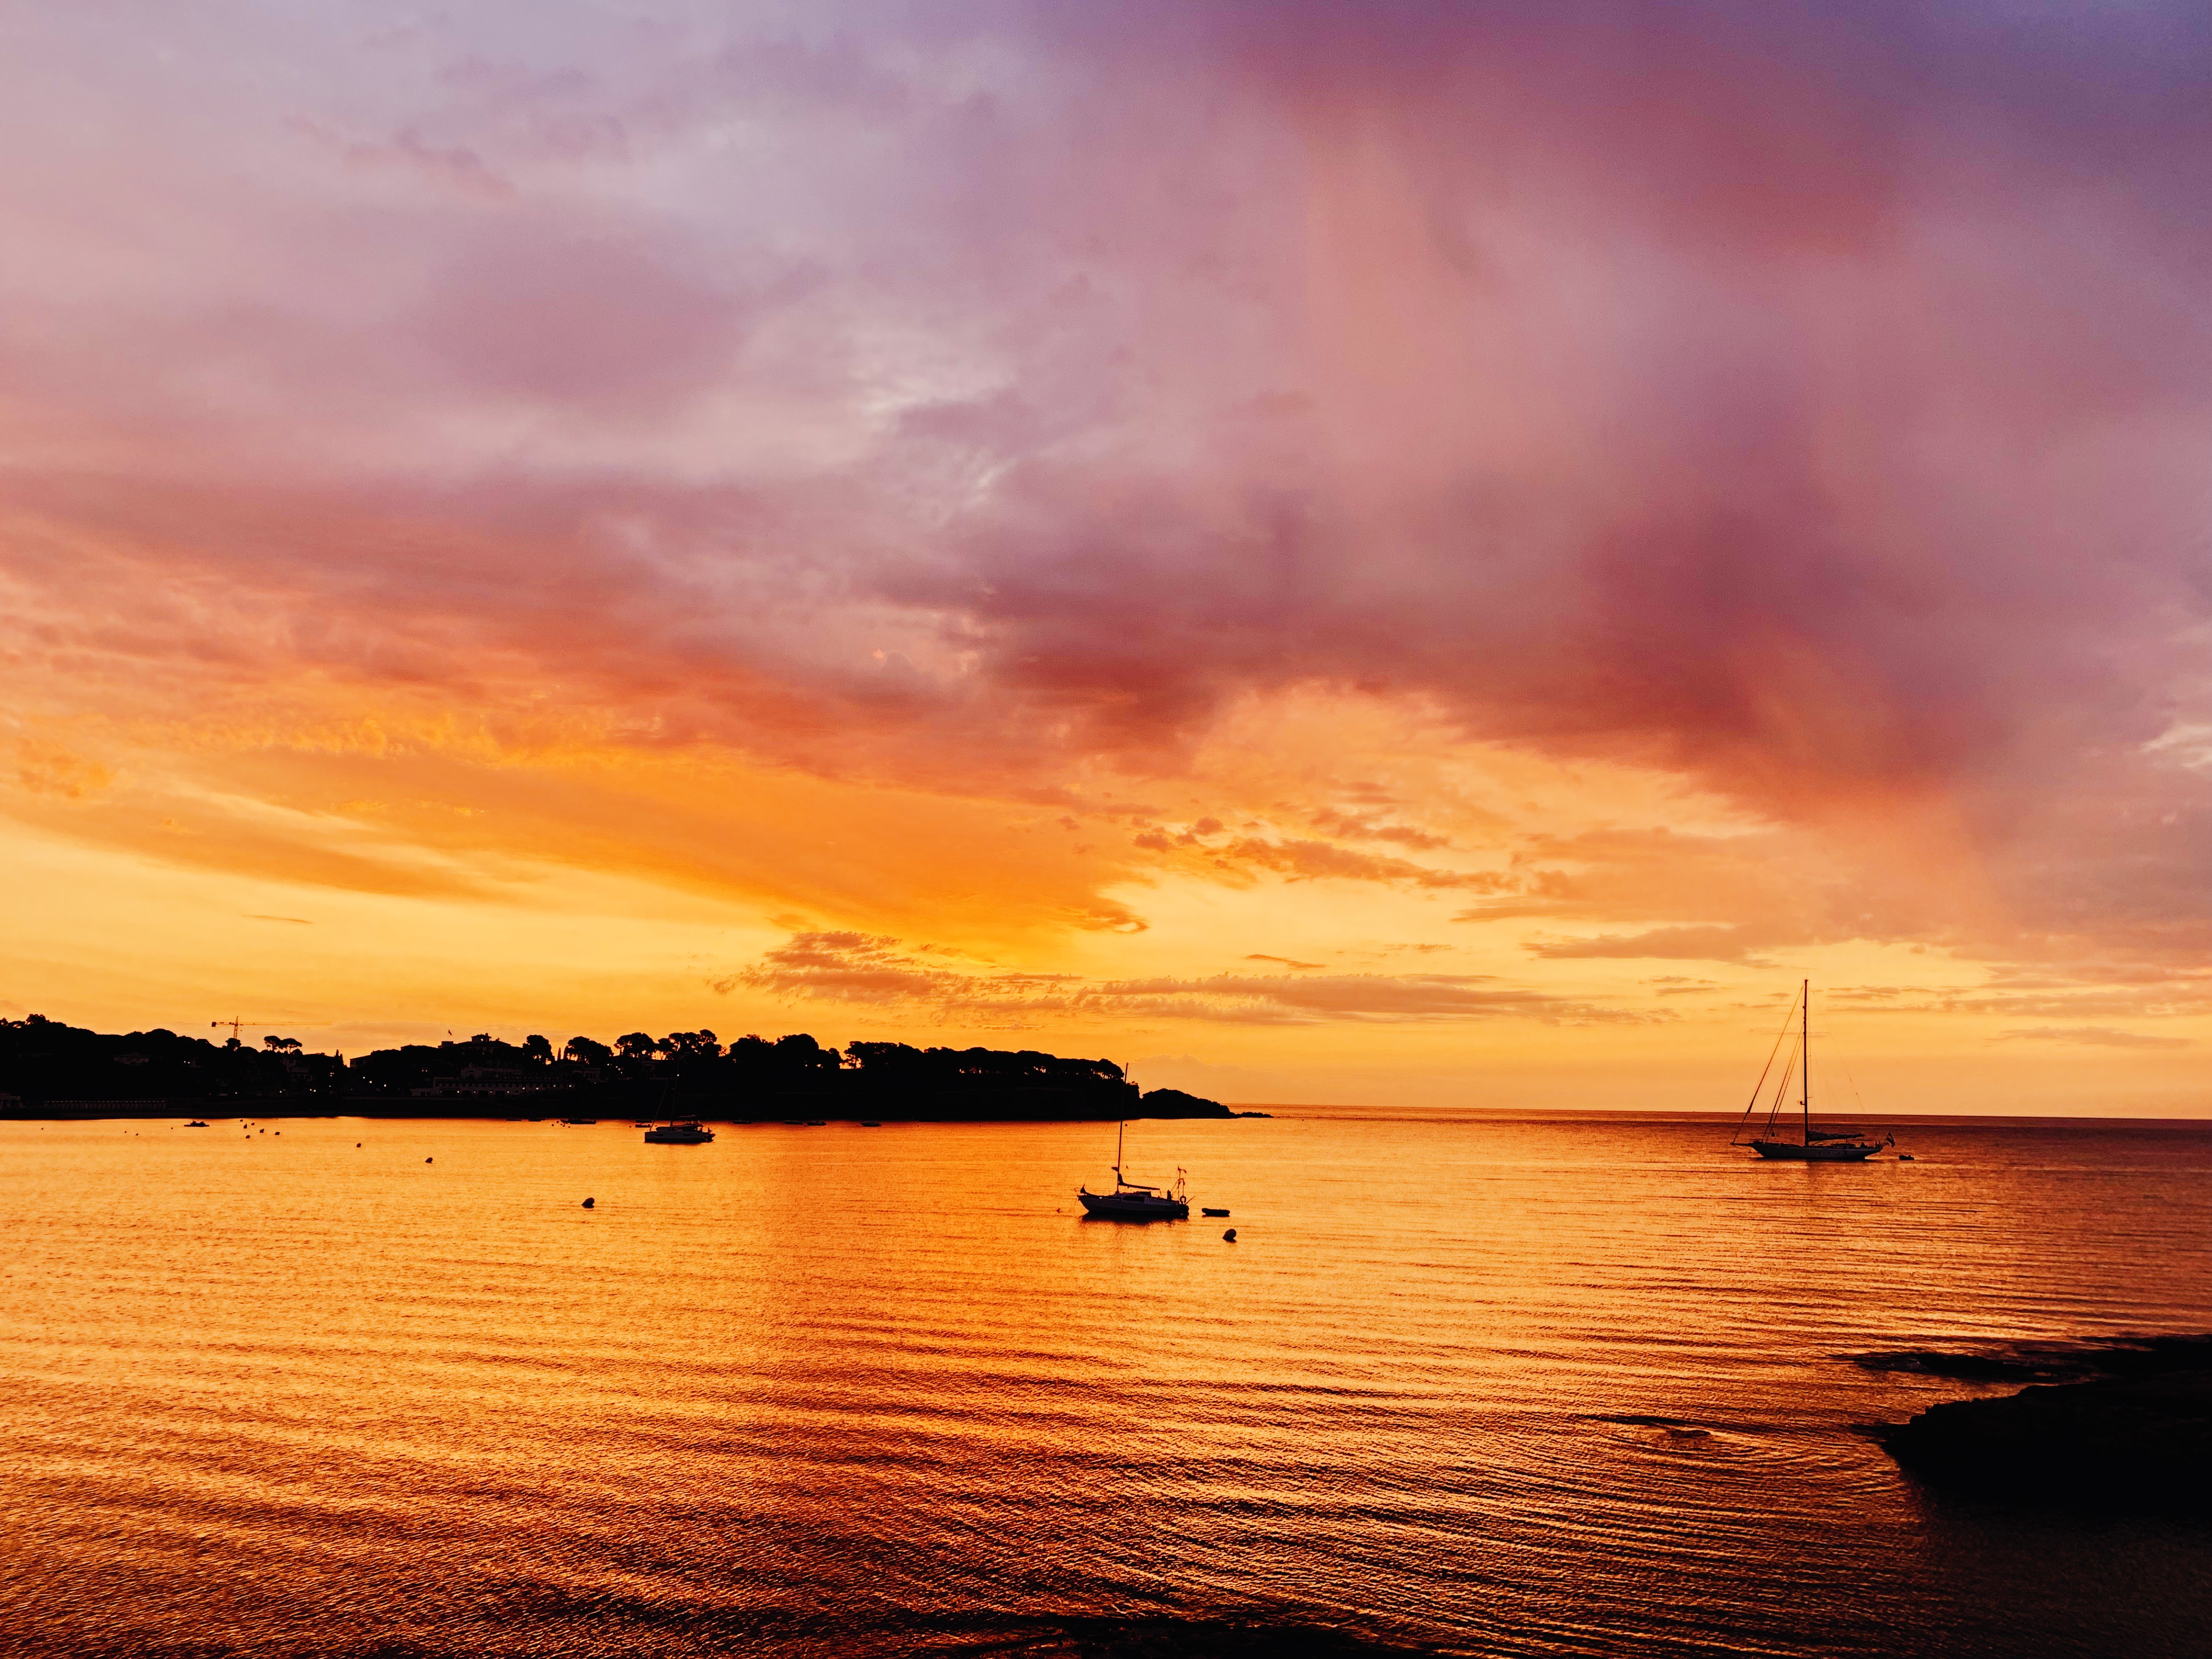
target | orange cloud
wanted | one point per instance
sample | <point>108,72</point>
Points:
<point>864,969</point>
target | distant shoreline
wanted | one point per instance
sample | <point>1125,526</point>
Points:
<point>569,1111</point>
<point>53,1071</point>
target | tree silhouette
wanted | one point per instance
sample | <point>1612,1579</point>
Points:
<point>800,1052</point>
<point>754,1077</point>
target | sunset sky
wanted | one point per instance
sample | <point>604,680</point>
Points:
<point>1429,555</point>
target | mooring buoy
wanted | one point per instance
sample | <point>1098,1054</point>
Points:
<point>1230,1236</point>
<point>588,1203</point>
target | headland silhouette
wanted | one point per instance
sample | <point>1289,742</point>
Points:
<point>51,1069</point>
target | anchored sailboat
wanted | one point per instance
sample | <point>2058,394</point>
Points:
<point>1130,1202</point>
<point>1812,1146</point>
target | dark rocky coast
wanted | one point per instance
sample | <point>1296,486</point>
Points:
<point>2132,1430</point>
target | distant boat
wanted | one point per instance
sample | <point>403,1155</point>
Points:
<point>1129,1201</point>
<point>870,1124</point>
<point>197,1123</point>
<point>580,1122</point>
<point>1812,1146</point>
<point>679,1134</point>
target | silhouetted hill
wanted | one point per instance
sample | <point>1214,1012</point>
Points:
<point>47,1064</point>
<point>1173,1102</point>
<point>53,1069</point>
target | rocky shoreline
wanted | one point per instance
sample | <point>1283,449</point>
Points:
<point>2131,1427</point>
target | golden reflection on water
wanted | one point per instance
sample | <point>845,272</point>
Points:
<point>1550,1388</point>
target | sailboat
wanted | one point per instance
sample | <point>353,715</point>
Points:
<point>689,1133</point>
<point>1812,1146</point>
<point>1129,1201</point>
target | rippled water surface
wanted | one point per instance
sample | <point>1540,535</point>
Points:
<point>838,1390</point>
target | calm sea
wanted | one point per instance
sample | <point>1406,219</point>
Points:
<point>845,1390</point>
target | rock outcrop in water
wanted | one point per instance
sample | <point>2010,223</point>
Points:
<point>2138,1436</point>
<point>1173,1102</point>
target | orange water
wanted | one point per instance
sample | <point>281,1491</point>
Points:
<point>813,1391</point>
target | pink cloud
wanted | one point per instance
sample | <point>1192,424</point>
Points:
<point>1813,408</point>
<point>873,970</point>
<point>2098,1036</point>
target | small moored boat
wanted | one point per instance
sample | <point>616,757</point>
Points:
<point>1131,1201</point>
<point>679,1134</point>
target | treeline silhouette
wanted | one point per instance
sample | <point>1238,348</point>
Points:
<point>48,1068</point>
<point>46,1063</point>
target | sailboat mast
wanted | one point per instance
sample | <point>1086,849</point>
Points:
<point>1805,1059</point>
<point>1119,1129</point>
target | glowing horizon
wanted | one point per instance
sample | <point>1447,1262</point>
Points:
<point>1390,557</point>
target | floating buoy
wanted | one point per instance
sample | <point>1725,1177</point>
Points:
<point>588,1203</point>
<point>429,1160</point>
<point>1230,1236</point>
<point>1206,1212</point>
